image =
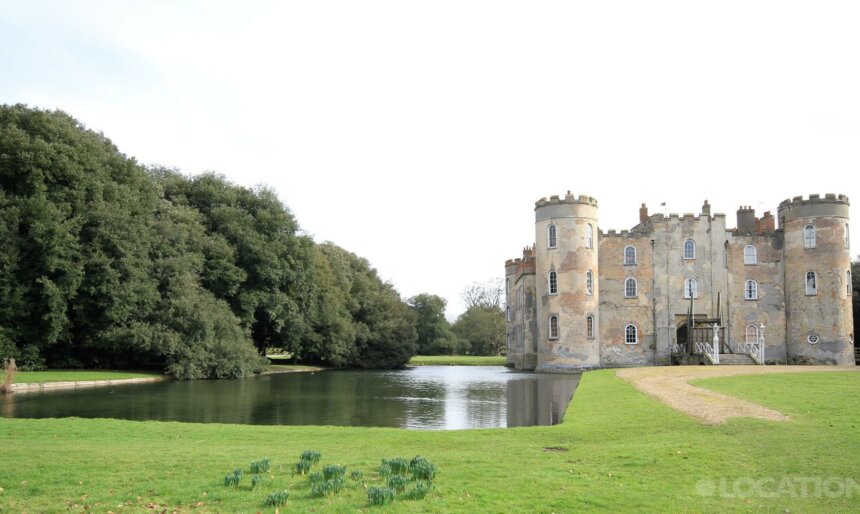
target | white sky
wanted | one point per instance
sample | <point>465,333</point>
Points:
<point>419,134</point>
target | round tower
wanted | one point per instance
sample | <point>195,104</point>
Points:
<point>510,277</point>
<point>567,292</point>
<point>817,263</point>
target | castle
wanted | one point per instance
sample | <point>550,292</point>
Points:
<point>682,288</point>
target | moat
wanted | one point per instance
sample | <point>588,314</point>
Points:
<point>427,398</point>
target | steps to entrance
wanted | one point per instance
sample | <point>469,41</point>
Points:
<point>736,359</point>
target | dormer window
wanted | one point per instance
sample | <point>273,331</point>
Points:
<point>809,236</point>
<point>550,237</point>
<point>689,249</point>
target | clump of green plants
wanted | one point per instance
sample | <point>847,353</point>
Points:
<point>356,475</point>
<point>255,481</point>
<point>422,469</point>
<point>327,487</point>
<point>277,499</point>
<point>380,495</point>
<point>311,455</point>
<point>260,466</point>
<point>398,483</point>
<point>333,471</point>
<point>316,477</point>
<point>396,466</point>
<point>419,490</point>
<point>303,466</point>
<point>233,479</point>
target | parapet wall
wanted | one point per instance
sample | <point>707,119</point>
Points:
<point>814,206</point>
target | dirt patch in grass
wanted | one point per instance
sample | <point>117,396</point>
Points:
<point>671,385</point>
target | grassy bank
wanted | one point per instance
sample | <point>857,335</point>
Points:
<point>616,450</point>
<point>456,360</point>
<point>31,377</point>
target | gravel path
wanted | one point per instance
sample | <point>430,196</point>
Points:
<point>671,386</point>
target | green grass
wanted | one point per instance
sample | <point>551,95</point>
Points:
<point>30,377</point>
<point>617,450</point>
<point>457,360</point>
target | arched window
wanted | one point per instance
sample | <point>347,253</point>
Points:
<point>589,283</point>
<point>631,335</point>
<point>630,289</point>
<point>750,256</point>
<point>752,334</point>
<point>550,237</point>
<point>629,256</point>
<point>589,326</point>
<point>751,290</point>
<point>809,236</point>
<point>811,283</point>
<point>848,284</point>
<point>553,283</point>
<point>507,313</point>
<point>847,237</point>
<point>589,236</point>
<point>691,288</point>
<point>508,285</point>
<point>689,249</point>
<point>553,327</point>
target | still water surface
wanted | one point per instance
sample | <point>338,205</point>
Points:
<point>426,397</point>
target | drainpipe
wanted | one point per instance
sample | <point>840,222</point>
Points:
<point>654,302</point>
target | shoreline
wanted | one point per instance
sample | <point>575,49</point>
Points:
<point>75,384</point>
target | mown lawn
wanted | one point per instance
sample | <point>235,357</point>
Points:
<point>617,450</point>
<point>457,360</point>
<point>29,377</point>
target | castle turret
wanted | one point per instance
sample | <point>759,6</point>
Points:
<point>817,280</point>
<point>510,277</point>
<point>566,253</point>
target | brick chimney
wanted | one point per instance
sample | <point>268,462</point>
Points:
<point>706,209</point>
<point>643,213</point>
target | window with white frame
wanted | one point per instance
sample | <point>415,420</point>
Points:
<point>691,288</point>
<point>589,283</point>
<point>751,290</point>
<point>751,334</point>
<point>507,285</point>
<point>589,326</point>
<point>809,236</point>
<point>750,256</point>
<point>550,237</point>
<point>848,283</point>
<point>847,237</point>
<point>811,283</point>
<point>553,282</point>
<point>553,327</point>
<point>631,335</point>
<point>589,236</point>
<point>689,249</point>
<point>629,255</point>
<point>630,288</point>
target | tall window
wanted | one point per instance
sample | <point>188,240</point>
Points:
<point>750,256</point>
<point>630,288</point>
<point>589,236</point>
<point>809,236</point>
<point>689,249</point>
<point>589,326</point>
<point>629,256</point>
<point>847,237</point>
<point>550,236</point>
<point>811,283</point>
<point>553,327</point>
<point>508,285</point>
<point>631,335</point>
<point>848,283</point>
<point>507,313</point>
<point>553,283</point>
<point>691,288</point>
<point>752,334</point>
<point>751,290</point>
<point>589,283</point>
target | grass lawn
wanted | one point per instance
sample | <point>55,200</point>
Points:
<point>617,450</point>
<point>29,377</point>
<point>457,360</point>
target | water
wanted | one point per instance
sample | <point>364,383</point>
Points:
<point>426,397</point>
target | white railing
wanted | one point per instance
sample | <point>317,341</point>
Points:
<point>755,349</point>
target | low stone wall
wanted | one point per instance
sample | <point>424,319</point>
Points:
<point>50,386</point>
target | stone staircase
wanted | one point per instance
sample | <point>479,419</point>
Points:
<point>736,359</point>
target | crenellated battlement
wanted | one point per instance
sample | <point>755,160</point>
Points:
<point>566,199</point>
<point>813,198</point>
<point>830,205</point>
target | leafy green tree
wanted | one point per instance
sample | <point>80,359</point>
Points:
<point>434,332</point>
<point>481,328</point>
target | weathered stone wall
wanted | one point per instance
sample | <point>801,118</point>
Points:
<point>826,314</point>
<point>769,308</point>
<point>573,217</point>
<point>616,310</point>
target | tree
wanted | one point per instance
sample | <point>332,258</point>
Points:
<point>482,326</point>
<point>434,332</point>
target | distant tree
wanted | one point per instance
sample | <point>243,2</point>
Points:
<point>486,295</point>
<point>482,327</point>
<point>434,332</point>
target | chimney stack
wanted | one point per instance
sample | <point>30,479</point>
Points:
<point>643,213</point>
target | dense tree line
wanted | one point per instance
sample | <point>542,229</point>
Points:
<point>106,263</point>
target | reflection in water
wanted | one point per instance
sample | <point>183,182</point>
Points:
<point>427,397</point>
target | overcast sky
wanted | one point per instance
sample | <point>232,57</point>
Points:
<point>420,134</point>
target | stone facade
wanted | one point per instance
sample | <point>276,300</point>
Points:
<point>581,298</point>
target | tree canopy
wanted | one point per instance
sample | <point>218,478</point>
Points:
<point>107,263</point>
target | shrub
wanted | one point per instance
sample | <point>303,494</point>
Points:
<point>380,495</point>
<point>277,498</point>
<point>260,466</point>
